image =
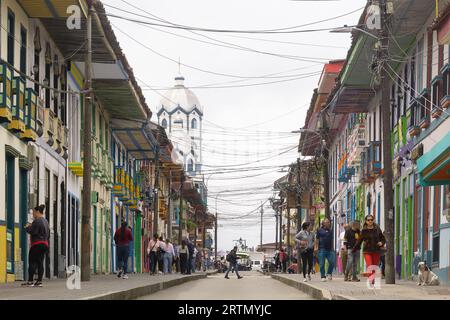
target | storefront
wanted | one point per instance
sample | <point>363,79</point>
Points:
<point>434,174</point>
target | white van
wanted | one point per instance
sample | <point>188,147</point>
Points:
<point>257,264</point>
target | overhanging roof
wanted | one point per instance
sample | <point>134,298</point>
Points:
<point>351,100</point>
<point>53,15</point>
<point>139,143</point>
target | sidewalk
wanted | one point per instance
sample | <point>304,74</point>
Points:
<point>101,287</point>
<point>338,289</point>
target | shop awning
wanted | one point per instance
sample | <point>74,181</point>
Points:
<point>434,165</point>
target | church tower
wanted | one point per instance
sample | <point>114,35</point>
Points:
<point>181,114</point>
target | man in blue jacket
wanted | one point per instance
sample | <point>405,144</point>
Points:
<point>324,249</point>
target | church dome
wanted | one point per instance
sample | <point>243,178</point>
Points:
<point>181,96</point>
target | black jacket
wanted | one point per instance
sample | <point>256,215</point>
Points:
<point>39,230</point>
<point>351,237</point>
<point>233,256</point>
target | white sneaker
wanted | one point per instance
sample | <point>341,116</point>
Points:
<point>323,279</point>
<point>329,277</point>
<point>124,276</point>
<point>305,280</point>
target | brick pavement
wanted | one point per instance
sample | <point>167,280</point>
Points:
<point>105,287</point>
<point>338,289</point>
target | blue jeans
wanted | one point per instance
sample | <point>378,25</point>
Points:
<point>122,255</point>
<point>328,255</point>
<point>233,266</point>
<point>168,259</point>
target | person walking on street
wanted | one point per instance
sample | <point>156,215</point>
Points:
<point>191,259</point>
<point>373,239</point>
<point>152,251</point>
<point>283,260</point>
<point>324,249</point>
<point>39,237</point>
<point>176,259</point>
<point>122,238</point>
<point>161,252</point>
<point>351,238</point>
<point>305,243</point>
<point>184,257</point>
<point>169,254</point>
<point>343,249</point>
<point>233,258</point>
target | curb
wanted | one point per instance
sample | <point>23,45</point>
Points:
<point>311,290</point>
<point>138,292</point>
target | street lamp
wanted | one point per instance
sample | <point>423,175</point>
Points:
<point>348,29</point>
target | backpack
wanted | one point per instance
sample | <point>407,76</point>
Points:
<point>228,257</point>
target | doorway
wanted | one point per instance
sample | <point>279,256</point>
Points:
<point>10,209</point>
<point>23,194</point>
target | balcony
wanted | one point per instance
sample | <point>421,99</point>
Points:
<point>119,183</point>
<point>5,93</point>
<point>374,160</point>
<point>345,172</point>
<point>423,105</point>
<point>371,162</point>
<point>58,126</point>
<point>436,90</point>
<point>40,117</point>
<point>30,133</point>
<point>356,142</point>
<point>445,100</point>
<point>65,142</point>
<point>413,119</point>
<point>76,168</point>
<point>49,125</point>
<point>17,125</point>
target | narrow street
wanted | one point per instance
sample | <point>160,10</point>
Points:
<point>254,286</point>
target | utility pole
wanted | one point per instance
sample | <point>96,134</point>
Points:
<point>180,228</point>
<point>387,157</point>
<point>169,222</point>
<point>299,210</point>
<point>276,227</point>
<point>281,229</point>
<point>261,238</point>
<point>156,192</point>
<point>87,156</point>
<point>325,154</point>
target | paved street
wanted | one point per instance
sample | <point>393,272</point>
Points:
<point>253,286</point>
<point>337,289</point>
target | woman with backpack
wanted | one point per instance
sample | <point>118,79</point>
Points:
<point>122,238</point>
<point>374,240</point>
<point>305,240</point>
<point>39,235</point>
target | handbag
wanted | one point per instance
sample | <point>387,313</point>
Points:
<point>382,251</point>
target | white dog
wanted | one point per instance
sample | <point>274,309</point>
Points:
<point>426,276</point>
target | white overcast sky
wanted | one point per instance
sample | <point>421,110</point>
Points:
<point>246,124</point>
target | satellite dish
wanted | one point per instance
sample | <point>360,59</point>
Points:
<point>373,17</point>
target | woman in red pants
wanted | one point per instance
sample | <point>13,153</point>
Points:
<point>374,240</point>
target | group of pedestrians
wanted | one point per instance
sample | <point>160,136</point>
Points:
<point>320,244</point>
